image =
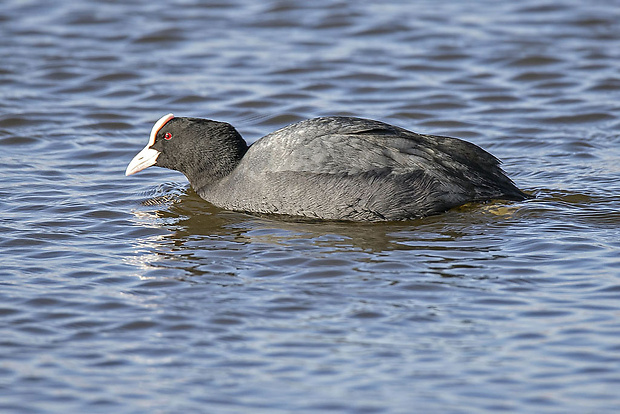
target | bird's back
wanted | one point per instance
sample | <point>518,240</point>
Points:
<point>359,169</point>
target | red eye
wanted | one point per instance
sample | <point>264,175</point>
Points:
<point>167,136</point>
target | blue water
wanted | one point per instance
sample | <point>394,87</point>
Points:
<point>132,295</point>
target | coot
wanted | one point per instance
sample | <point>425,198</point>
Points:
<point>335,168</point>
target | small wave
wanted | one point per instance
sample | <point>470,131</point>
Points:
<point>163,194</point>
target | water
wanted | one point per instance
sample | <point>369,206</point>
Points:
<point>131,295</point>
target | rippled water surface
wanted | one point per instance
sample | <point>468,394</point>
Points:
<point>132,295</point>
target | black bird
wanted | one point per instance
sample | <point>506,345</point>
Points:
<point>335,168</point>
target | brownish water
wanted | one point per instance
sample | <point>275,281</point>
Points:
<point>131,295</point>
